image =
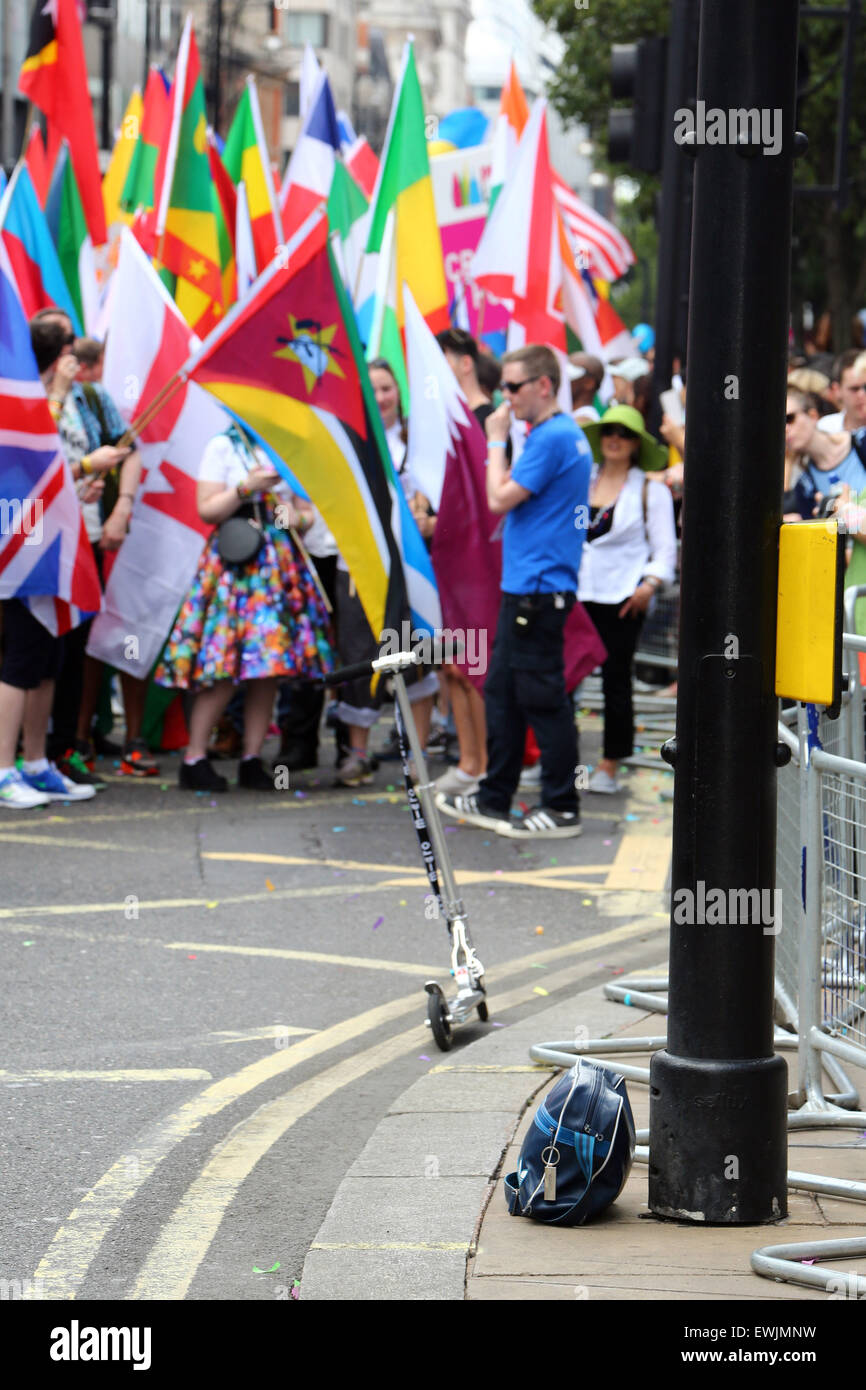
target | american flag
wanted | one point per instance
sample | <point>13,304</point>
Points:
<point>607,252</point>
<point>45,556</point>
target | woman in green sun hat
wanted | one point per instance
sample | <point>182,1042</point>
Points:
<point>629,555</point>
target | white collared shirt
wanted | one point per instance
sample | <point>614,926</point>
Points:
<point>612,566</point>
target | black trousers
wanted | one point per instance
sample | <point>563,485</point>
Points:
<point>300,703</point>
<point>526,686</point>
<point>620,636</point>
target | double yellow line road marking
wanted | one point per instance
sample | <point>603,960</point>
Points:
<point>187,1236</point>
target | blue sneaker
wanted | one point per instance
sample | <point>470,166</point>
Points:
<point>55,786</point>
<point>15,792</point>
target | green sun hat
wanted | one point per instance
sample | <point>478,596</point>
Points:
<point>653,456</point>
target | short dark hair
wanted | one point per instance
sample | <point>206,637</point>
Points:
<point>538,361</point>
<point>843,362</point>
<point>459,341</point>
<point>488,369</point>
<point>89,351</point>
<point>48,336</point>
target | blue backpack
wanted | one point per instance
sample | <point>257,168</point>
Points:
<point>579,1151</point>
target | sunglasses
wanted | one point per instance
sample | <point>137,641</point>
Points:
<point>617,431</point>
<point>512,387</point>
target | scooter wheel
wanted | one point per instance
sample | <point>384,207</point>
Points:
<point>437,1012</point>
<point>482,1011</point>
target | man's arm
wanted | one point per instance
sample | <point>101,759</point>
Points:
<point>503,495</point>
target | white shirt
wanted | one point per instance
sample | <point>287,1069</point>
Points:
<point>223,462</point>
<point>612,566</point>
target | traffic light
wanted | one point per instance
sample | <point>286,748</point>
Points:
<point>635,133</point>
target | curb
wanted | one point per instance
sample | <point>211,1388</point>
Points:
<point>405,1219</point>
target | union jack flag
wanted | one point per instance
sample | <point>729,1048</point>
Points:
<point>45,557</point>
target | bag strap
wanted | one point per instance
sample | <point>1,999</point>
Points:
<point>91,395</point>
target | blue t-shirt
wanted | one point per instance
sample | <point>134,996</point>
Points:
<point>543,536</point>
<point>851,471</point>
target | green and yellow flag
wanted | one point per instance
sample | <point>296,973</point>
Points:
<point>186,225</point>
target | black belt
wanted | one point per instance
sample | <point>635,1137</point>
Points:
<point>557,600</point>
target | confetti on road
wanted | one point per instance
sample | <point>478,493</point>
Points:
<point>539,931</point>
<point>491,892</point>
<point>273,1267</point>
<point>423,1057</point>
<point>378,922</point>
<point>193,957</point>
<point>497,1025</point>
<point>337,828</point>
<point>296,1288</point>
<point>554,861</point>
<point>164,787</point>
<point>539,990</point>
<point>630,816</point>
<point>403,902</point>
<point>390,787</point>
<point>608,842</point>
<point>28,943</point>
<point>807,1262</point>
<point>536,966</point>
<point>302,796</point>
<point>216,904</point>
<point>269,885</point>
<point>587,902</point>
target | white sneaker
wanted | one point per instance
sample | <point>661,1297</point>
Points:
<point>15,792</point>
<point>455,783</point>
<point>52,783</point>
<point>601,781</point>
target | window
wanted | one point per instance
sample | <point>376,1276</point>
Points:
<point>292,103</point>
<point>306,26</point>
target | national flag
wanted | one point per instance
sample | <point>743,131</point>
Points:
<point>288,364</point>
<point>65,217</point>
<point>3,181</point>
<point>225,203</point>
<point>308,86</point>
<point>157,561</point>
<point>347,209</point>
<point>37,163</point>
<point>404,189</point>
<point>45,556</point>
<point>54,77</point>
<point>524,254</point>
<point>28,243</point>
<point>308,178</point>
<point>606,252</point>
<point>139,188</point>
<point>361,161</point>
<point>186,224</point>
<point>121,158</point>
<point>246,159</point>
<point>448,455</point>
<point>614,338</point>
<point>510,124</point>
<point>245,251</point>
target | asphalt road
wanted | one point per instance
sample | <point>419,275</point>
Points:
<point>209,1003</point>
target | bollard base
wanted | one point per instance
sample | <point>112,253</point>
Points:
<point>718,1140</point>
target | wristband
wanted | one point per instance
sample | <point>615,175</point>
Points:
<point>130,496</point>
<point>497,443</point>
<point>653,580</point>
<point>86,466</point>
<point>242,491</point>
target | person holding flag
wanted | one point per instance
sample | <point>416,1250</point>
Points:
<point>254,620</point>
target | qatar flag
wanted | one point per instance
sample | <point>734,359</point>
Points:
<point>157,561</point>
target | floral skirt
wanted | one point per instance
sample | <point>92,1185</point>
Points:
<point>249,622</point>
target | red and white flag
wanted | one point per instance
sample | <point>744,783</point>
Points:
<point>157,561</point>
<point>524,254</point>
<point>311,168</point>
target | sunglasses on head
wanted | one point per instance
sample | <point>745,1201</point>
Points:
<point>512,387</point>
<point>617,431</point>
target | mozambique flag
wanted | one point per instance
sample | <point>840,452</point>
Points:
<point>139,184</point>
<point>289,366</point>
<point>186,225</point>
<point>54,77</point>
<point>404,187</point>
<point>246,159</point>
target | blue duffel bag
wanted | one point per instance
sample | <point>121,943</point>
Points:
<point>579,1151</point>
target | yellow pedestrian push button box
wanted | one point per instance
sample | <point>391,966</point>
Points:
<point>809,623</point>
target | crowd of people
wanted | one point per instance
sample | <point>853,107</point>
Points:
<point>588,504</point>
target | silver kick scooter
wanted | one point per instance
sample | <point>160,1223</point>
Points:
<point>466,968</point>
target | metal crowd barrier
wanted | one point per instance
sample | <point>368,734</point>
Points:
<point>820,954</point>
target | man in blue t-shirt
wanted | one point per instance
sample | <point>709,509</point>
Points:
<point>543,497</point>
